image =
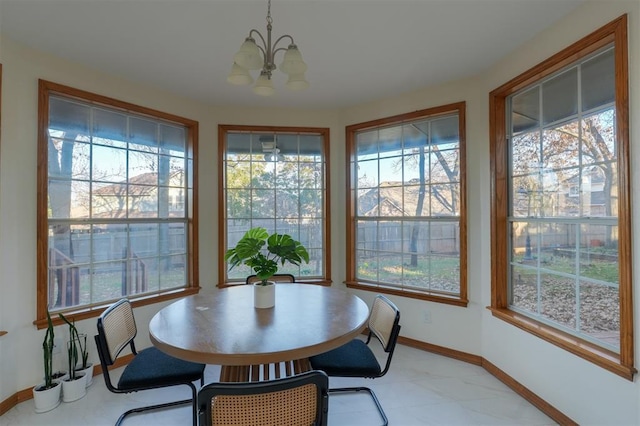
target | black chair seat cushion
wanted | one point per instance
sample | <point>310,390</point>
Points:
<point>353,359</point>
<point>152,367</point>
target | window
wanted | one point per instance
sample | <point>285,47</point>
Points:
<point>107,226</point>
<point>275,178</point>
<point>406,232</point>
<point>561,247</point>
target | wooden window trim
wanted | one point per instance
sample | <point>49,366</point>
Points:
<point>351,281</point>
<point>622,364</point>
<point>223,129</point>
<point>47,88</point>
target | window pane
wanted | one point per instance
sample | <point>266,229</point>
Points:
<point>310,175</point>
<point>172,140</point>
<point>525,111</point>
<point>558,299</point>
<point>368,174</point>
<point>558,247</point>
<point>416,203</point>
<point>173,271</point>
<point>238,203</point>
<point>600,313</point>
<point>68,116</point>
<point>560,96</point>
<point>524,288</point>
<point>416,176</point>
<point>598,80</point>
<point>525,153</point>
<point>599,253</point>
<point>289,203</point>
<point>311,202</point>
<point>560,146</point>
<point>445,200</point>
<point>391,201</point>
<point>523,242</point>
<point>444,165</point>
<point>367,145</point>
<point>108,164</point>
<point>109,128</point>
<point>263,203</point>
<point>276,181</point>
<point>104,164</point>
<point>287,175</point>
<point>143,134</point>
<point>142,201</point>
<point>564,261</point>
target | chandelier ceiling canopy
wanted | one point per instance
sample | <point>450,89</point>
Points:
<point>261,56</point>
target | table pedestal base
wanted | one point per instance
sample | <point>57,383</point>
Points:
<point>256,373</point>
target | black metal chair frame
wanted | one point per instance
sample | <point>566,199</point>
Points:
<point>389,349</point>
<point>106,361</point>
<point>315,377</point>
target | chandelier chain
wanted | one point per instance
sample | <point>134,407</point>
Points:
<point>269,19</point>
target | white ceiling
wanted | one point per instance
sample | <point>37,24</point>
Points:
<point>356,50</point>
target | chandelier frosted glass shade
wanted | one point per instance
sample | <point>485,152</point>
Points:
<point>248,56</point>
<point>297,82</point>
<point>239,76</point>
<point>264,85</point>
<point>292,62</point>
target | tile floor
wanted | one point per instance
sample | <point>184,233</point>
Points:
<point>420,389</point>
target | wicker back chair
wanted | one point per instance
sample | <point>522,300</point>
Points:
<point>149,369</point>
<point>356,359</point>
<point>299,400</point>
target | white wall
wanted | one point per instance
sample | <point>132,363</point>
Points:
<point>20,350</point>
<point>586,393</point>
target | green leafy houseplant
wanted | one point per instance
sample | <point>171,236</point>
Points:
<point>281,248</point>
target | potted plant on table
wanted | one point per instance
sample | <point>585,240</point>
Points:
<point>280,249</point>
<point>46,396</point>
<point>75,386</point>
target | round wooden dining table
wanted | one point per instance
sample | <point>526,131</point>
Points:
<point>222,327</point>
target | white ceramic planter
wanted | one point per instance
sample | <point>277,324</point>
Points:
<point>264,296</point>
<point>72,390</point>
<point>46,400</point>
<point>88,374</point>
<point>59,376</point>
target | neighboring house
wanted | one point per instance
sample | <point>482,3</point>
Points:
<point>141,196</point>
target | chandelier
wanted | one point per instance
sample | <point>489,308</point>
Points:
<point>261,56</point>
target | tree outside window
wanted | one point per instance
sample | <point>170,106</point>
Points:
<point>406,233</point>
<point>275,178</point>
<point>106,226</point>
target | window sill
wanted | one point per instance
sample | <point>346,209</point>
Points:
<point>302,281</point>
<point>431,297</point>
<point>85,312</point>
<point>588,351</point>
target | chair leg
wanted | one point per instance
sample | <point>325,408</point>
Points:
<point>370,392</point>
<point>193,401</point>
<point>151,407</point>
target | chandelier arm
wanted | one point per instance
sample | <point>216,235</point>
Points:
<point>264,43</point>
<point>277,50</point>
<point>280,38</point>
